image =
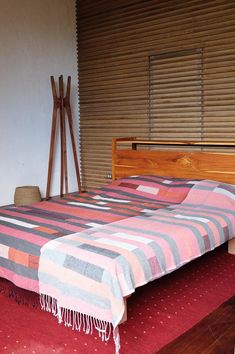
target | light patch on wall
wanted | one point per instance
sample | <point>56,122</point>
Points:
<point>39,40</point>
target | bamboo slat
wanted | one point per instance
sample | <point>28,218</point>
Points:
<point>123,92</point>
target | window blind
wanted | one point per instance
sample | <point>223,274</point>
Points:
<point>158,69</point>
<point>176,95</point>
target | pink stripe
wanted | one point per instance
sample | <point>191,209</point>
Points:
<point>83,222</point>
<point>44,221</point>
<point>79,305</point>
<point>81,211</point>
<point>20,280</point>
<point>182,235</point>
<point>27,236</point>
<point>177,233</point>
<point>131,258</point>
<point>74,278</point>
<point>161,242</point>
<point>206,214</point>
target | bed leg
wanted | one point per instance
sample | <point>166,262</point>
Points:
<point>124,317</point>
<point>231,246</point>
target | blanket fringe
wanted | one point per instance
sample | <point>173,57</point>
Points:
<point>79,321</point>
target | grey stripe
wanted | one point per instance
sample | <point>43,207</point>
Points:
<point>209,232</point>
<point>167,238</point>
<point>19,269</point>
<point>85,234</point>
<point>110,211</point>
<point>159,255</point>
<point>224,210</point>
<point>99,250</point>
<point>196,233</point>
<point>57,216</point>
<point>221,230</point>
<point>127,271</point>
<point>225,192</point>
<point>84,268</point>
<point>141,198</point>
<point>138,252</point>
<point>139,203</point>
<point>74,291</point>
<point>204,188</point>
<point>185,181</point>
<point>33,230</point>
<point>52,255</point>
<point>113,284</point>
<point>144,264</point>
<point>220,213</point>
<point>20,244</point>
<point>81,267</point>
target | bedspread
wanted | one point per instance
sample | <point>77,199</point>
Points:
<point>24,230</point>
<point>90,272</point>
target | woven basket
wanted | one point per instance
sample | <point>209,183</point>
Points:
<point>26,195</point>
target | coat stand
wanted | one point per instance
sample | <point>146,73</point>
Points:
<point>61,103</point>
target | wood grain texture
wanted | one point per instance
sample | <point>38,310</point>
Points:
<point>219,166</point>
<point>116,40</point>
<point>231,246</point>
<point>215,334</point>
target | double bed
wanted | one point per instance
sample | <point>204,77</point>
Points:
<point>85,254</point>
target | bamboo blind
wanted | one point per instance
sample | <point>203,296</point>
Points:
<point>153,69</point>
<point>176,90</point>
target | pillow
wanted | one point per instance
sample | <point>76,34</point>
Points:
<point>213,194</point>
<point>165,189</point>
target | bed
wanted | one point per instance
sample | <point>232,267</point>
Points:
<point>85,254</point>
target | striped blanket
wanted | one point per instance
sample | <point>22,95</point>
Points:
<point>24,230</point>
<point>85,276</point>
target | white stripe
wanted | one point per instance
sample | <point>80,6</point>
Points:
<point>98,197</point>
<point>93,224</point>
<point>119,244</point>
<point>147,211</point>
<point>52,244</point>
<point>179,216</point>
<point>133,237</point>
<point>92,206</point>
<point>4,251</point>
<point>224,192</point>
<point>146,189</point>
<point>18,222</point>
<point>166,181</point>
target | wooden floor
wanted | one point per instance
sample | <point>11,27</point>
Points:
<point>215,334</point>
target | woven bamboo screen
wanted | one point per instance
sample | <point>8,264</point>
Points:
<point>176,95</point>
<point>156,68</point>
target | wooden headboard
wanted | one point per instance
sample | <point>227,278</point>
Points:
<point>217,165</point>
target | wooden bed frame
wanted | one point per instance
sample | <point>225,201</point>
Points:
<point>129,159</point>
<point>218,165</point>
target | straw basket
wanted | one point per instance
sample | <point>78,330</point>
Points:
<point>26,195</point>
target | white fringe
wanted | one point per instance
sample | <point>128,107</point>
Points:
<point>79,321</point>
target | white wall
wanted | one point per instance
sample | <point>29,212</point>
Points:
<point>37,39</point>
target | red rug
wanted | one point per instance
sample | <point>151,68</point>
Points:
<point>157,313</point>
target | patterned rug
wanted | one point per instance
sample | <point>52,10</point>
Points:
<point>157,313</point>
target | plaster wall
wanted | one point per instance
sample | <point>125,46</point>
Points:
<point>38,39</point>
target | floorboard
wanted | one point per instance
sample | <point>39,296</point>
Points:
<point>215,334</point>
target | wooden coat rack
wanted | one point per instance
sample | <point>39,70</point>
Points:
<point>62,103</point>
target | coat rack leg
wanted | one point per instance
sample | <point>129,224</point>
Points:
<point>53,131</point>
<point>62,104</point>
<point>65,142</point>
<point>63,153</point>
<point>70,120</point>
